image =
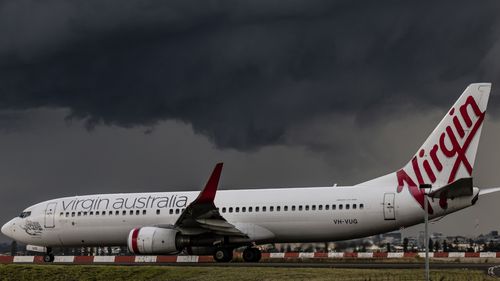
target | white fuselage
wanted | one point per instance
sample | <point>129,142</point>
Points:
<point>259,216</point>
<point>265,215</point>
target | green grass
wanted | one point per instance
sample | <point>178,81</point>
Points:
<point>184,273</point>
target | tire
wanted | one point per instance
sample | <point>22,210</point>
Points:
<point>259,254</point>
<point>48,258</point>
<point>223,255</point>
<point>252,255</point>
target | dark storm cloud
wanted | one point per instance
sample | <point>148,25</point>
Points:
<point>12,121</point>
<point>242,73</point>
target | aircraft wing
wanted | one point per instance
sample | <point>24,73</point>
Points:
<point>202,216</point>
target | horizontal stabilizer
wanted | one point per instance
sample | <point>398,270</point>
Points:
<point>461,187</point>
<point>488,191</point>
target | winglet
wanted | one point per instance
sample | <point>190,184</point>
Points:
<point>207,195</point>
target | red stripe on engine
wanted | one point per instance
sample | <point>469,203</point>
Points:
<point>135,234</point>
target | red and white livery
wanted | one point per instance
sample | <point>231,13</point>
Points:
<point>216,222</point>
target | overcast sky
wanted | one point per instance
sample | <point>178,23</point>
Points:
<point>101,97</point>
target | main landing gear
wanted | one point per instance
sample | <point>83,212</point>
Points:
<point>223,255</point>
<point>49,256</point>
<point>252,254</point>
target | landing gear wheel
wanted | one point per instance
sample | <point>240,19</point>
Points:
<point>252,255</point>
<point>223,255</point>
<point>48,258</point>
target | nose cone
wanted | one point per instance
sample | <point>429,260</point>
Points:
<point>5,228</point>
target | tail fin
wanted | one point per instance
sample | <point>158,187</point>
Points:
<point>449,152</point>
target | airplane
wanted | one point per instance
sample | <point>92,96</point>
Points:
<point>213,222</point>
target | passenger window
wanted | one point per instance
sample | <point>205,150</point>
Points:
<point>103,213</point>
<point>257,209</point>
<point>320,207</point>
<point>131,212</point>
<point>249,209</point>
<point>230,209</point>
<point>300,207</point>
<point>73,214</point>
<point>327,207</point>
<point>307,207</point>
<point>243,209</point>
<point>271,208</point>
<point>67,214</point>
<point>158,211</point>
<point>137,212</point>
<point>224,209</point>
<point>124,213</point>
<point>237,209</point>
<point>313,207</point>
<point>361,206</point>
<point>354,206</point>
<point>347,206</point>
<point>117,213</point>
<point>263,208</point>
<point>285,208</point>
<point>334,207</point>
<point>278,208</point>
<point>293,207</point>
<point>171,211</point>
<point>84,213</point>
<point>61,214</point>
<point>79,214</point>
<point>177,211</point>
<point>110,213</point>
<point>340,206</point>
<point>91,213</point>
<point>97,213</point>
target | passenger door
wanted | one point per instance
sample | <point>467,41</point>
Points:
<point>50,213</point>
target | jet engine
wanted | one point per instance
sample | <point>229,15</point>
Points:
<point>153,240</point>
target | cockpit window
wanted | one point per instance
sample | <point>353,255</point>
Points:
<point>25,214</point>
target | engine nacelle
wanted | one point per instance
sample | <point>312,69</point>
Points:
<point>153,240</point>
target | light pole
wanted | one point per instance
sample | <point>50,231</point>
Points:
<point>424,188</point>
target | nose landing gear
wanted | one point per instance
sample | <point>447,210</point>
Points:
<point>49,256</point>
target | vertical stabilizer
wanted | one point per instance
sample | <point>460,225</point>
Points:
<point>449,152</point>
